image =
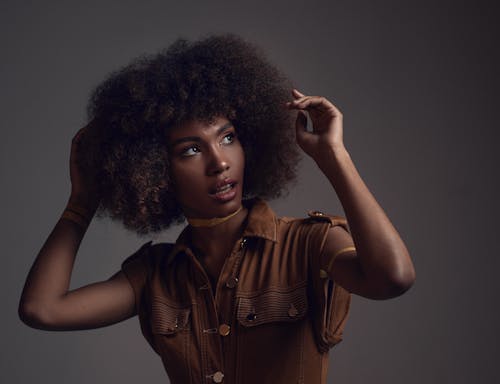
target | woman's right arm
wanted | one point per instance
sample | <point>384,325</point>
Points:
<point>46,303</point>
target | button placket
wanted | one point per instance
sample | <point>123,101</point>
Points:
<point>211,348</point>
<point>222,300</point>
<point>232,281</point>
<point>226,302</point>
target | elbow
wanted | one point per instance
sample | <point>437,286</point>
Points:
<point>34,315</point>
<point>401,281</point>
<point>400,275</point>
<point>390,285</point>
<point>27,314</point>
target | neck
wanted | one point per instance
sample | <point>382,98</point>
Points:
<point>221,237</point>
<point>194,222</point>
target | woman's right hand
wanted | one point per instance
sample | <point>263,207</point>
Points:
<point>84,189</point>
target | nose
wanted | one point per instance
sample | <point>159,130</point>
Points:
<point>218,162</point>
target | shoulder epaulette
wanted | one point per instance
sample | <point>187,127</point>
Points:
<point>333,219</point>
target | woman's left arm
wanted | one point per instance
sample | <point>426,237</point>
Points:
<point>380,267</point>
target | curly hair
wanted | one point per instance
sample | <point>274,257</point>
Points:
<point>137,105</point>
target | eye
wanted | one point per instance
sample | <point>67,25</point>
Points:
<point>229,138</point>
<point>190,151</point>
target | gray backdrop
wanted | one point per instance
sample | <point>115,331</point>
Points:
<point>417,82</point>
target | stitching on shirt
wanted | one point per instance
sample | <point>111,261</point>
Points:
<point>273,306</point>
<point>301,354</point>
<point>272,288</point>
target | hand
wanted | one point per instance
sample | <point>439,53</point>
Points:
<point>84,191</point>
<point>326,135</point>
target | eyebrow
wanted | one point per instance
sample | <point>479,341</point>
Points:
<point>197,138</point>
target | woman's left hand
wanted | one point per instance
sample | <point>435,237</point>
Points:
<point>326,134</point>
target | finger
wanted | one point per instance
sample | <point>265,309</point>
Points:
<point>317,102</point>
<point>295,102</point>
<point>297,94</point>
<point>301,125</point>
<point>313,101</point>
<point>301,98</point>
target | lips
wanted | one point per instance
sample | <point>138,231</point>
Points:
<point>223,186</point>
<point>224,190</point>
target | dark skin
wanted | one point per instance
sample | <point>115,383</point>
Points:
<point>380,268</point>
<point>203,155</point>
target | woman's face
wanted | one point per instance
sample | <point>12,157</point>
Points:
<point>207,166</point>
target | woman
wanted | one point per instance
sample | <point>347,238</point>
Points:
<point>202,131</point>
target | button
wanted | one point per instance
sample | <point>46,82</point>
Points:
<point>204,287</point>
<point>292,311</point>
<point>175,326</point>
<point>323,274</point>
<point>251,316</point>
<point>320,216</point>
<point>218,377</point>
<point>315,213</point>
<point>232,282</point>
<point>243,242</point>
<point>224,329</point>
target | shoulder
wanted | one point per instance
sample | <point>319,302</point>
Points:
<point>333,220</point>
<point>148,253</point>
<point>316,230</point>
<point>315,217</point>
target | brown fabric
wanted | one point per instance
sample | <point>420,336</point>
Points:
<point>282,316</point>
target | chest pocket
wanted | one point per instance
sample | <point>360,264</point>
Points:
<point>169,318</point>
<point>273,305</point>
<point>271,326</point>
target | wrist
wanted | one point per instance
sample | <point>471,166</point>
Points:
<point>79,211</point>
<point>332,157</point>
<point>84,205</point>
<point>73,216</point>
<point>77,214</point>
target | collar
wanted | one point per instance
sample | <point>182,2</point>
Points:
<point>261,222</point>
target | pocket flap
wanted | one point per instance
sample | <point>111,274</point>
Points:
<point>272,305</point>
<point>167,318</point>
